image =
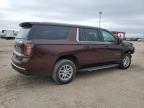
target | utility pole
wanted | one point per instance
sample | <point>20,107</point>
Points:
<point>100,14</point>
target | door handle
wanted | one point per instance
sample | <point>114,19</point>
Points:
<point>87,47</point>
<point>107,46</point>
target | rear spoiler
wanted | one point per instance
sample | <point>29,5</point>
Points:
<point>26,24</point>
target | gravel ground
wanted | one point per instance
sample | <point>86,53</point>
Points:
<point>109,88</point>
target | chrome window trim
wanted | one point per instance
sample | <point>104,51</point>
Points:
<point>77,36</point>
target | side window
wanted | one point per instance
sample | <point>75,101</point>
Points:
<point>107,37</point>
<point>51,32</point>
<point>88,35</point>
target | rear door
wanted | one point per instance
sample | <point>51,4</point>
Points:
<point>113,50</point>
<point>92,48</point>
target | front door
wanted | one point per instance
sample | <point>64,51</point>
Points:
<point>113,50</point>
<point>92,49</point>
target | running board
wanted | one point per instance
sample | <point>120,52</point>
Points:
<point>98,68</point>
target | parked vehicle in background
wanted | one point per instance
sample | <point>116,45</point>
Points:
<point>62,50</point>
<point>16,33</point>
<point>132,39</point>
<point>141,40</point>
<point>9,34</point>
<point>2,33</point>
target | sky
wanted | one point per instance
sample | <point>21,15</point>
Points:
<point>117,15</point>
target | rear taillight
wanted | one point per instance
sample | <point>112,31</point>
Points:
<point>28,47</point>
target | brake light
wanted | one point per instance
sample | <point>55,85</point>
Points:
<point>28,47</point>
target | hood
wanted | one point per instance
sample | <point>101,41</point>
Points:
<point>127,43</point>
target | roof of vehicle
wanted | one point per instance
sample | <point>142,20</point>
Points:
<point>54,23</point>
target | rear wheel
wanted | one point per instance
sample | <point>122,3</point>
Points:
<point>64,71</point>
<point>126,61</point>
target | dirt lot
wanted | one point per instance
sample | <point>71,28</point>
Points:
<point>110,88</point>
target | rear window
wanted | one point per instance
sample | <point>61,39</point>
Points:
<point>23,33</point>
<point>51,32</point>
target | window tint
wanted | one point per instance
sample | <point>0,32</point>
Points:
<point>88,35</point>
<point>107,37</point>
<point>23,33</point>
<point>51,32</point>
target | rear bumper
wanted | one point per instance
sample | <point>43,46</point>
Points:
<point>29,72</point>
<point>20,69</point>
<point>27,66</point>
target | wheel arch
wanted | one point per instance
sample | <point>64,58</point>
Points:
<point>128,52</point>
<point>69,57</point>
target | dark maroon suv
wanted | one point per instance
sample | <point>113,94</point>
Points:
<point>62,50</point>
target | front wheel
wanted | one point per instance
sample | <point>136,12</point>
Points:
<point>126,61</point>
<point>64,71</point>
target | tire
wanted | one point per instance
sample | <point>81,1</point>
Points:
<point>64,71</point>
<point>126,61</point>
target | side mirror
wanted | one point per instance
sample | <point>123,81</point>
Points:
<point>119,40</point>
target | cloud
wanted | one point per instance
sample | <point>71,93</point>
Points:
<point>117,15</point>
